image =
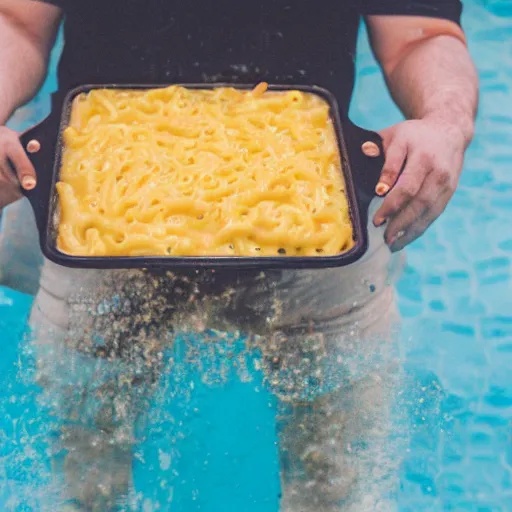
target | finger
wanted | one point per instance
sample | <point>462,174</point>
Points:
<point>415,209</point>
<point>396,153</point>
<point>387,136</point>
<point>408,185</point>
<point>372,149</point>
<point>435,185</point>
<point>9,185</point>
<point>24,168</point>
<point>401,224</point>
<point>421,224</point>
<point>7,174</point>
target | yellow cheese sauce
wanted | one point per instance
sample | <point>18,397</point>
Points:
<point>182,172</point>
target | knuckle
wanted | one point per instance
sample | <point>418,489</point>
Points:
<point>402,129</point>
<point>8,144</point>
<point>408,191</point>
<point>442,176</point>
<point>424,203</point>
<point>406,195</point>
<point>388,175</point>
<point>393,167</point>
<point>427,197</point>
<point>424,157</point>
<point>11,142</point>
<point>393,204</point>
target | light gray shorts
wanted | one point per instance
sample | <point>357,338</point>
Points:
<point>325,312</point>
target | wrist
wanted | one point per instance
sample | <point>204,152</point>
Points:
<point>458,127</point>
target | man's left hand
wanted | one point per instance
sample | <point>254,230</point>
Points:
<point>422,167</point>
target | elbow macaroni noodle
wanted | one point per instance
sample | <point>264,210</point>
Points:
<point>185,172</point>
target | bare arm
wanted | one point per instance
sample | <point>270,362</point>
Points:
<point>433,80</point>
<point>27,33</point>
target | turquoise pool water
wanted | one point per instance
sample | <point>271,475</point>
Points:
<point>456,301</point>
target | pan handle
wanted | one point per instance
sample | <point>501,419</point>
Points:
<point>39,144</point>
<point>366,170</point>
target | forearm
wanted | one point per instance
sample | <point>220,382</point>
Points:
<point>437,79</point>
<point>23,65</point>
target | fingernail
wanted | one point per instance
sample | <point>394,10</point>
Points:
<point>370,149</point>
<point>28,183</point>
<point>397,237</point>
<point>378,222</point>
<point>382,188</point>
<point>33,146</point>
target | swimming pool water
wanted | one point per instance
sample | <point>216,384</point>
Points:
<point>456,301</point>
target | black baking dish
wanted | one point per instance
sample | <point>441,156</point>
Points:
<point>361,175</point>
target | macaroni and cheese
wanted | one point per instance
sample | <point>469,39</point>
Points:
<point>183,172</point>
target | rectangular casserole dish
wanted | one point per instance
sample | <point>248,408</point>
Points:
<point>361,174</point>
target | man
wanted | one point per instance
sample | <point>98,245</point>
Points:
<point>326,336</point>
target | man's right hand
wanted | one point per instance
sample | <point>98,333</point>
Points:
<point>15,168</point>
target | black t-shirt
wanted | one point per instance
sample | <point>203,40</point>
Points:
<point>244,41</point>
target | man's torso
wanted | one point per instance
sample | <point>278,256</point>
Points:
<point>153,41</point>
